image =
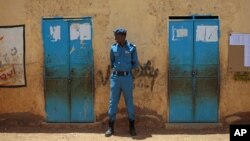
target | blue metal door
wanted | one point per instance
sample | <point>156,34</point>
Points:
<point>193,70</point>
<point>68,70</point>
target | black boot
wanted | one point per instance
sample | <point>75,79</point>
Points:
<point>110,130</point>
<point>132,128</point>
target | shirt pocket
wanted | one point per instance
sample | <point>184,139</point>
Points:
<point>117,56</point>
<point>127,56</point>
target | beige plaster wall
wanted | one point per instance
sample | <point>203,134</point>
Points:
<point>147,25</point>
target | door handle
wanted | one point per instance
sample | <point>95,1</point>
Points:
<point>194,73</point>
<point>69,80</point>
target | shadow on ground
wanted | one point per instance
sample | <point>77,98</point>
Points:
<point>146,127</point>
<point>147,124</point>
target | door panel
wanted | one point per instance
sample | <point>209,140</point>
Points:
<point>181,100</point>
<point>81,68</point>
<point>206,64</point>
<point>181,48</point>
<point>206,52</point>
<point>181,66</point>
<point>206,100</point>
<point>82,100</point>
<point>56,48</point>
<point>57,100</point>
<point>55,36</point>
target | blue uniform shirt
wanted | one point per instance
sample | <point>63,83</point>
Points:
<point>123,58</point>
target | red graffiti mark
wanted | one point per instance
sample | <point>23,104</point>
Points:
<point>3,77</point>
<point>1,38</point>
<point>8,73</point>
<point>12,72</point>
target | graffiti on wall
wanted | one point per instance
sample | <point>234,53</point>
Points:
<point>12,68</point>
<point>144,76</point>
<point>148,71</point>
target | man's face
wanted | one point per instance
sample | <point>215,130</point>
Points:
<point>120,38</point>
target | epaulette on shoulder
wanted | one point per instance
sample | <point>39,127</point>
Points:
<point>133,45</point>
<point>114,44</point>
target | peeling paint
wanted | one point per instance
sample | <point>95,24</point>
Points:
<point>85,32</point>
<point>82,44</point>
<point>72,50</point>
<point>82,31</point>
<point>55,32</point>
<point>181,32</point>
<point>207,33</point>
<point>173,34</point>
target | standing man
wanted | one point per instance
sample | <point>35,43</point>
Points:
<point>123,57</point>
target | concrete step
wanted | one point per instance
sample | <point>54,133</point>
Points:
<point>195,126</point>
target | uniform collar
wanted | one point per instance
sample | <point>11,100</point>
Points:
<point>125,45</point>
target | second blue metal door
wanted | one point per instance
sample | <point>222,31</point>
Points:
<point>193,70</point>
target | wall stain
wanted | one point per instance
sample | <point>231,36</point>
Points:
<point>1,38</point>
<point>20,119</point>
<point>104,79</point>
<point>242,76</point>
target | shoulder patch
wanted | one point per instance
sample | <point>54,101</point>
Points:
<point>133,45</point>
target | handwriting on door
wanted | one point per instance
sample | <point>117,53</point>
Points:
<point>144,76</point>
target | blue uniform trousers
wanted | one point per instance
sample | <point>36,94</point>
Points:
<point>120,84</point>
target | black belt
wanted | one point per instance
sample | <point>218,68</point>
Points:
<point>121,73</point>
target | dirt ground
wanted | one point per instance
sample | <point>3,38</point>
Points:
<point>100,137</point>
<point>95,132</point>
